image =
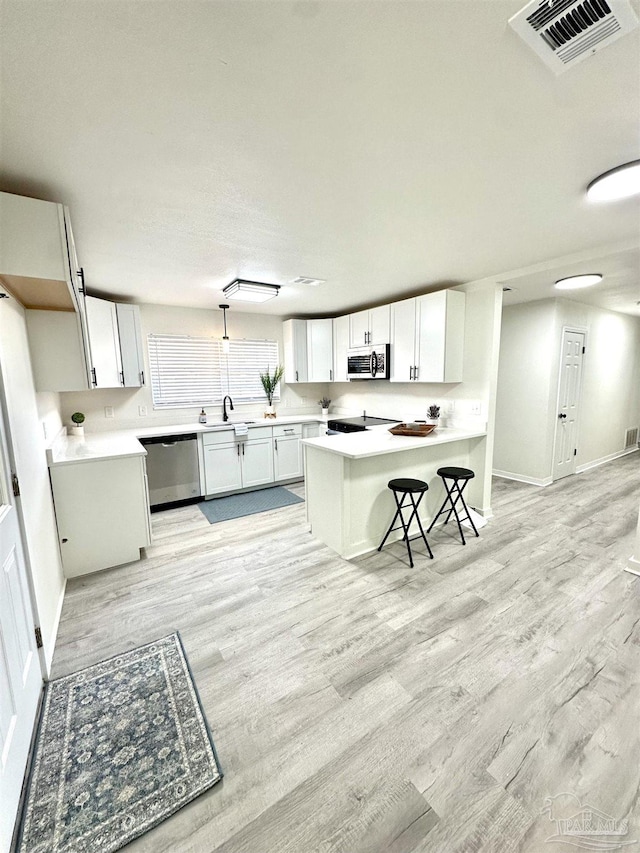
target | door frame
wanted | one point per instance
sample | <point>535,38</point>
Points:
<point>10,468</point>
<point>580,330</point>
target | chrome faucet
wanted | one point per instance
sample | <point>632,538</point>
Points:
<point>225,416</point>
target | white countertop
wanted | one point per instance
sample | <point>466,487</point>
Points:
<point>376,441</point>
<point>67,449</point>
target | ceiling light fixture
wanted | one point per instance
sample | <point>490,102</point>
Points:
<point>225,336</point>
<point>575,282</point>
<point>621,182</point>
<point>250,291</point>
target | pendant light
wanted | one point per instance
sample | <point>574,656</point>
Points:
<point>225,336</point>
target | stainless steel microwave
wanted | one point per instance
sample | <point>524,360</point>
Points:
<point>369,362</point>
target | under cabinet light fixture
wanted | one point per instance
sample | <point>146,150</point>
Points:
<point>225,336</point>
<point>575,282</point>
<point>250,291</point>
<point>621,182</point>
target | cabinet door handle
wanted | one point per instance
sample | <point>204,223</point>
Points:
<point>80,273</point>
<point>410,373</point>
<point>243,449</point>
<point>276,443</point>
<point>289,430</point>
<point>415,371</point>
<point>122,377</point>
<point>94,377</point>
<point>142,377</point>
<point>330,375</point>
<point>238,450</point>
<point>296,375</point>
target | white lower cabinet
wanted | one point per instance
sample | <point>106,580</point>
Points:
<point>102,513</point>
<point>287,452</point>
<point>230,465</point>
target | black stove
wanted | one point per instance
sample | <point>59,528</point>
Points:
<point>358,424</point>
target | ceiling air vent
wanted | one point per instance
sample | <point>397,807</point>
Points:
<point>564,32</point>
<point>308,282</point>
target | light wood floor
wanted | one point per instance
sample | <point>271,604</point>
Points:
<point>366,707</point>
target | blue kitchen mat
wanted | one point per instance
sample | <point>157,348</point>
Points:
<point>248,503</point>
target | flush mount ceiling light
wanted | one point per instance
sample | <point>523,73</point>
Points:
<point>250,291</point>
<point>225,336</point>
<point>575,282</point>
<point>621,182</point>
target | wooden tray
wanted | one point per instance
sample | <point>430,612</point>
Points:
<point>405,429</point>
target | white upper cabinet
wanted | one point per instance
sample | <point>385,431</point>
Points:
<point>340,348</point>
<point>308,350</point>
<point>106,365</point>
<point>370,327</point>
<point>428,338</point>
<point>131,351</point>
<point>35,265</point>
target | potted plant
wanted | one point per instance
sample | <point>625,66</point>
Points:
<point>324,404</point>
<point>433,414</point>
<point>77,419</point>
<point>270,383</point>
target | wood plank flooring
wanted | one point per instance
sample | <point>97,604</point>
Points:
<point>366,707</point>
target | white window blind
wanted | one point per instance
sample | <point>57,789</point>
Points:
<point>190,371</point>
<point>247,360</point>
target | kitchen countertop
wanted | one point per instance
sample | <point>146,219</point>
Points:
<point>68,449</point>
<point>376,441</point>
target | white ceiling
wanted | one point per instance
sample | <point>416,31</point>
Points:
<point>385,146</point>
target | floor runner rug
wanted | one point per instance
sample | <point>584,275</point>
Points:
<point>247,503</point>
<point>121,746</point>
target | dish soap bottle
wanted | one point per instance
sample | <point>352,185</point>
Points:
<point>203,417</point>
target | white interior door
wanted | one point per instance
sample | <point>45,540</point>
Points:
<point>20,672</point>
<point>564,462</point>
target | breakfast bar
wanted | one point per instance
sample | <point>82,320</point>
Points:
<point>349,506</point>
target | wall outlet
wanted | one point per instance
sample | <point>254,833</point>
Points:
<point>108,411</point>
<point>142,411</point>
<point>476,408</point>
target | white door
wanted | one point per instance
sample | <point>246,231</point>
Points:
<point>380,325</point>
<point>104,343</point>
<point>320,350</point>
<point>20,672</point>
<point>340,348</point>
<point>359,329</point>
<point>564,462</point>
<point>403,332</point>
<point>222,471</point>
<point>287,457</point>
<point>257,461</point>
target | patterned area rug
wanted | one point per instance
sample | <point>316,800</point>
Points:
<point>121,746</point>
<point>248,503</point>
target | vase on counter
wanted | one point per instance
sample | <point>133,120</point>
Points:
<point>325,411</point>
<point>76,430</point>
<point>270,412</point>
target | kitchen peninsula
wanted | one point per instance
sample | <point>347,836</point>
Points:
<point>349,505</point>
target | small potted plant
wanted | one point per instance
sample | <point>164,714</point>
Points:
<point>77,421</point>
<point>433,414</point>
<point>270,383</point>
<point>324,404</point>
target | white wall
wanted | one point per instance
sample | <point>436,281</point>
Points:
<point>610,401</point>
<point>49,413</point>
<point>27,439</point>
<point>163,319</point>
<point>524,431</point>
<point>528,375</point>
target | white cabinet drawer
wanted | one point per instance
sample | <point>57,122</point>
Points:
<point>223,436</point>
<point>287,430</point>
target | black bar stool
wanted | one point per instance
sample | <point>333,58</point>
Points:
<point>454,494</point>
<point>402,488</point>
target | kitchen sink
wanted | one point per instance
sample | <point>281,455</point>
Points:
<point>228,424</point>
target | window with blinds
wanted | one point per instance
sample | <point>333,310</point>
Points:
<point>188,371</point>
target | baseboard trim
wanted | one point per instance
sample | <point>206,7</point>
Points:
<point>633,566</point>
<point>580,469</point>
<point>520,478</point>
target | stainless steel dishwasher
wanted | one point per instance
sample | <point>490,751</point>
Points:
<point>172,468</point>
